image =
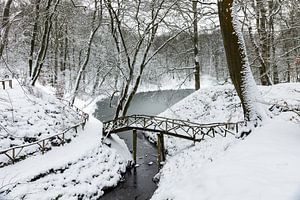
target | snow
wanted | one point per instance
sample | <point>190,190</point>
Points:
<point>29,114</point>
<point>262,166</point>
<point>82,168</point>
<point>265,165</point>
<point>248,85</point>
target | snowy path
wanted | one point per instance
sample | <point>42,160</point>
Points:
<point>83,146</point>
<point>264,166</point>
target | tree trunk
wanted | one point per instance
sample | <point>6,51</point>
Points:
<point>195,43</point>
<point>44,43</point>
<point>237,59</point>
<point>34,35</point>
<point>5,25</point>
<point>87,55</point>
<point>263,38</point>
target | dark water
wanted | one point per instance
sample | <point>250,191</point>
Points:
<point>138,184</point>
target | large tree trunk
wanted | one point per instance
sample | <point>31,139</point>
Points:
<point>237,60</point>
<point>5,25</point>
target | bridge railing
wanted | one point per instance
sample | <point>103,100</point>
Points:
<point>175,127</point>
<point>15,153</point>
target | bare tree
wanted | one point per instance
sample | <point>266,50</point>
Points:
<point>5,25</point>
<point>196,43</point>
<point>39,62</point>
<point>34,35</point>
<point>95,27</point>
<point>139,54</point>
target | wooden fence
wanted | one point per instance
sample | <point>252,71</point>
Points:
<point>3,84</point>
<point>44,144</point>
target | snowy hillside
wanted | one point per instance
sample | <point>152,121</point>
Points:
<point>81,169</point>
<point>219,104</point>
<point>28,115</point>
<point>263,166</point>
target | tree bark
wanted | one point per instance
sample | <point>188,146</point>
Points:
<point>237,59</point>
<point>263,38</point>
<point>87,55</point>
<point>195,43</point>
<point>5,25</point>
<point>34,35</point>
<point>44,43</point>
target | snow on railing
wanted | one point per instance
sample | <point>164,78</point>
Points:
<point>14,153</point>
<point>174,127</point>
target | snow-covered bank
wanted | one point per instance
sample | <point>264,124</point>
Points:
<point>221,104</point>
<point>28,115</point>
<point>81,169</point>
<point>263,166</point>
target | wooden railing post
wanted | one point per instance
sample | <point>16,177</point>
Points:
<point>43,146</point>
<point>10,83</point>
<point>63,138</point>
<point>134,144</point>
<point>13,155</point>
<point>75,127</point>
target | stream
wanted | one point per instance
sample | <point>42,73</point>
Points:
<point>137,182</point>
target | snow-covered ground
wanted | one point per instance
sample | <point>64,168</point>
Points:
<point>265,165</point>
<point>82,168</point>
<point>28,115</point>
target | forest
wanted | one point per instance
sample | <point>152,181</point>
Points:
<point>149,99</point>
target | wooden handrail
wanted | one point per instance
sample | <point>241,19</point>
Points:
<point>174,127</point>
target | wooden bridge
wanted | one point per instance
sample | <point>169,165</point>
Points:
<point>165,126</point>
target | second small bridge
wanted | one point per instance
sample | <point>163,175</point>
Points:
<point>165,126</point>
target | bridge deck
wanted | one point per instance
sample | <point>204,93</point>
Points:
<point>173,127</point>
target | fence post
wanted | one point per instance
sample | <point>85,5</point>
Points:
<point>75,127</point>
<point>10,83</point>
<point>3,85</point>
<point>63,138</point>
<point>43,146</point>
<point>83,125</point>
<point>236,127</point>
<point>134,144</point>
<point>13,155</point>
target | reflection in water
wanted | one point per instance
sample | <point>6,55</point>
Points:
<point>138,182</point>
